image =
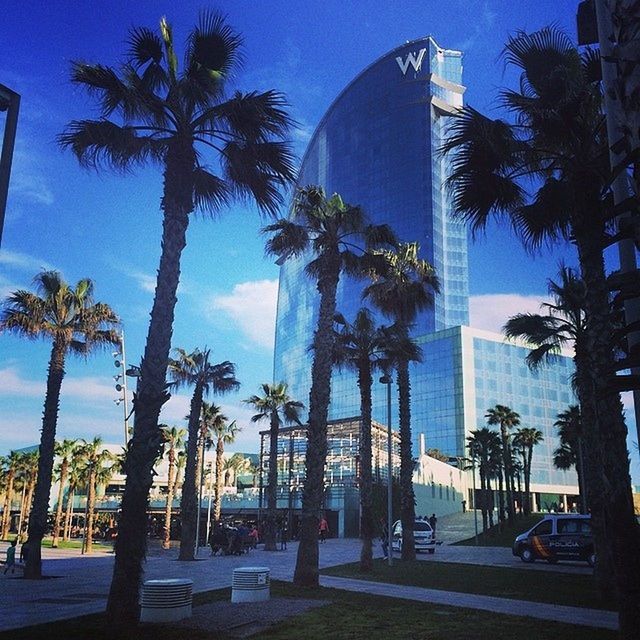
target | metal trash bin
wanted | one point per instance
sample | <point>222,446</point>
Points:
<point>250,584</point>
<point>166,600</point>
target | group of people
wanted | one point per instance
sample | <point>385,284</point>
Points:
<point>10,561</point>
<point>232,541</point>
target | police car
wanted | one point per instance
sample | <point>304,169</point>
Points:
<point>557,537</point>
<point>423,534</point>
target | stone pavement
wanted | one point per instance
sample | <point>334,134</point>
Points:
<point>79,585</point>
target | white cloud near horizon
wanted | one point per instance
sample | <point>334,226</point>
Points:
<point>23,261</point>
<point>491,311</point>
<point>252,306</point>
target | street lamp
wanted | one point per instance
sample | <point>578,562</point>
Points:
<point>387,379</point>
<point>121,362</point>
<point>9,102</point>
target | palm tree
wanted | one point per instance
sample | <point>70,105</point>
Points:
<point>276,406</point>
<point>507,419</point>
<point>559,146</point>
<point>196,369</point>
<point>484,445</point>
<point>328,230</point>
<point>64,450</point>
<point>174,438</point>
<point>93,472</point>
<point>570,452</point>
<point>524,440</point>
<point>12,462</point>
<point>75,324</point>
<point>225,432</point>
<point>75,480</point>
<point>28,474</point>
<point>364,348</point>
<point>153,111</point>
<point>404,285</point>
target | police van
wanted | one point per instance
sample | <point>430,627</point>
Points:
<point>423,535</point>
<point>557,537</point>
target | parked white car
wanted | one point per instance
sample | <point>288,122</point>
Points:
<point>423,534</point>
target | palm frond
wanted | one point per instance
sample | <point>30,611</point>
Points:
<point>288,239</point>
<point>97,143</point>
<point>144,47</point>
<point>210,192</point>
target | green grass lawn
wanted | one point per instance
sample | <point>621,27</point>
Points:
<point>348,616</point>
<point>502,536</point>
<point>576,590</point>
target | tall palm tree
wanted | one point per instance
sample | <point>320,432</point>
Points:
<point>75,481</point>
<point>570,452</point>
<point>334,235</point>
<point>363,347</point>
<point>12,462</point>
<point>276,406</point>
<point>76,324</point>
<point>174,438</point>
<point>403,285</point>
<point>506,418</point>
<point>96,469</point>
<point>484,446</point>
<point>178,118</point>
<point>195,369</point>
<point>558,144</point>
<point>64,450</point>
<point>524,440</point>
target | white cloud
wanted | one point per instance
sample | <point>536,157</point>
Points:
<point>252,306</point>
<point>23,261</point>
<point>491,311</point>
<point>145,281</point>
<point>28,178</point>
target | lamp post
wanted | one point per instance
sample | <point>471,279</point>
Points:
<point>121,361</point>
<point>199,497</point>
<point>9,102</point>
<point>387,379</point>
<point>473,481</point>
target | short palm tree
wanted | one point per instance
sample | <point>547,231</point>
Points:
<point>75,481</point>
<point>484,446</point>
<point>506,418</point>
<point>95,470</point>
<point>64,450</point>
<point>334,235</point>
<point>69,317</point>
<point>195,369</point>
<point>548,175</point>
<point>276,406</point>
<point>570,452</point>
<point>180,119</point>
<point>524,440</point>
<point>363,347</point>
<point>173,437</point>
<point>12,462</point>
<point>403,285</point>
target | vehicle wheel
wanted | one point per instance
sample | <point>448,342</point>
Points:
<point>431,551</point>
<point>527,555</point>
<point>591,559</point>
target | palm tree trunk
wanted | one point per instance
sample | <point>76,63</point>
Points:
<point>527,481</point>
<point>146,444</point>
<point>40,508</point>
<point>500,497</point>
<point>8,499</point>
<point>270,525</point>
<point>485,511</point>
<point>621,527</point>
<point>366,482</point>
<point>166,543</point>
<point>219,479</point>
<point>506,462</point>
<point>56,523</point>
<point>306,571</point>
<point>91,499</point>
<point>69,514</point>
<point>407,497</point>
<point>189,503</point>
<point>489,501</point>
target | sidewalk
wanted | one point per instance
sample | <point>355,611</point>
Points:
<point>78,585</point>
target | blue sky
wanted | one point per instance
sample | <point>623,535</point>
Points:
<point>107,227</point>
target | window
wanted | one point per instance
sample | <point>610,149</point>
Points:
<point>543,529</point>
<point>568,526</point>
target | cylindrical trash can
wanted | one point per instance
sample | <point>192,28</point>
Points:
<point>166,600</point>
<point>250,584</point>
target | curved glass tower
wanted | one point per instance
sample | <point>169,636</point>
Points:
<point>377,146</point>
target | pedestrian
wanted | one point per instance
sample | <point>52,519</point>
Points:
<point>464,506</point>
<point>323,529</point>
<point>10,562</point>
<point>433,521</point>
<point>24,552</point>
<point>284,536</point>
<point>384,538</point>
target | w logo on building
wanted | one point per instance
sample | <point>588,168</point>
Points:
<point>412,59</point>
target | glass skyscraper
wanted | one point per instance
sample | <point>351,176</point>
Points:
<point>378,147</point>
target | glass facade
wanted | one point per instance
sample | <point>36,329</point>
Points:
<point>377,146</point>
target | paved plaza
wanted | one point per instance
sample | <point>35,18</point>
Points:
<point>78,585</point>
